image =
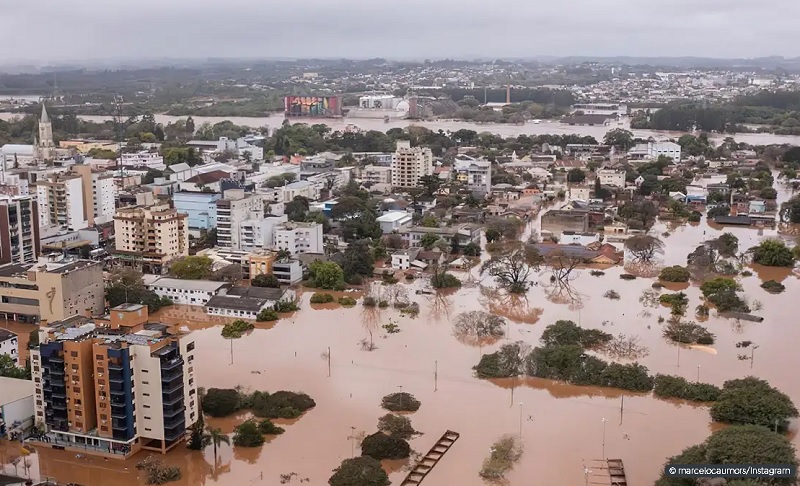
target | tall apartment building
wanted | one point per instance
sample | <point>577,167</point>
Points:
<point>233,209</point>
<point>475,174</point>
<point>410,164</point>
<point>114,385</point>
<point>299,238</point>
<point>19,230</point>
<point>98,194</point>
<point>77,199</point>
<point>376,174</point>
<point>149,237</point>
<point>51,290</point>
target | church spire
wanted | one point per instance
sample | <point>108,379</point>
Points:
<point>45,118</point>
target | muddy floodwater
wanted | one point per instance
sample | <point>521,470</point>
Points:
<point>562,426</point>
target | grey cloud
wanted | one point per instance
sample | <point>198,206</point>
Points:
<point>51,30</point>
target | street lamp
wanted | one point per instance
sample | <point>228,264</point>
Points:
<point>604,438</point>
<point>698,373</point>
<point>520,420</point>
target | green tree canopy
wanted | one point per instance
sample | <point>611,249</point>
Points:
<point>753,401</point>
<point>773,253</point>
<point>359,471</point>
<point>326,275</point>
<point>192,267</point>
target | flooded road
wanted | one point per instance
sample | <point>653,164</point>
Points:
<point>561,425</point>
<point>554,127</point>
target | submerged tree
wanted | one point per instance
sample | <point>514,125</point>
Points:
<point>512,267</point>
<point>644,248</point>
<point>478,327</point>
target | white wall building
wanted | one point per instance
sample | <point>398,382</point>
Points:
<point>476,174</point>
<point>256,234</point>
<point>611,177</point>
<point>299,238</point>
<point>288,272</point>
<point>151,160</point>
<point>240,146</point>
<point>9,345</point>
<point>60,201</point>
<point>410,164</point>
<point>16,406</point>
<point>376,174</point>
<point>234,208</point>
<point>305,189</point>
<point>394,221</point>
<point>653,150</point>
<point>186,292</point>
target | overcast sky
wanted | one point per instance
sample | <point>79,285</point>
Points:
<point>34,31</point>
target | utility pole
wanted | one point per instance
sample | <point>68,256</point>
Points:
<point>604,438</point>
<point>621,407</point>
<point>520,420</point>
<point>329,361</point>
<point>436,375</point>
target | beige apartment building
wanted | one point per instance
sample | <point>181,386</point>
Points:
<point>149,237</point>
<point>51,291</point>
<point>410,164</point>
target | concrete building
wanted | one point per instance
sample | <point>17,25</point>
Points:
<point>16,407</point>
<point>466,233</point>
<point>149,237</point>
<point>233,209</point>
<point>186,292</point>
<point>51,290</point>
<point>376,174</point>
<point>299,238</point>
<point>600,108</point>
<point>61,202</point>
<point>246,302</point>
<point>98,194</point>
<point>611,177</point>
<point>475,174</point>
<point>653,150</point>
<point>201,208</point>
<point>394,221</point>
<point>115,385</point>
<point>9,346</point>
<point>556,221</point>
<point>19,230</point>
<point>288,272</point>
<point>240,147</point>
<point>410,164</point>
<point>305,189</point>
<point>258,234</point>
<point>151,160</point>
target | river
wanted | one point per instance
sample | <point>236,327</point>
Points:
<point>562,425</point>
<point>506,130</point>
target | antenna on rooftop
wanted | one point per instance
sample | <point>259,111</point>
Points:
<point>118,129</point>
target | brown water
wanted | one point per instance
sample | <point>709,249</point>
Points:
<point>506,130</point>
<point>561,425</point>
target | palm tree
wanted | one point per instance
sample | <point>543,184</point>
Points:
<point>283,255</point>
<point>216,437</point>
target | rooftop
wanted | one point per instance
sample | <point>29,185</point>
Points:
<point>5,334</point>
<point>176,283</point>
<point>393,217</point>
<point>236,302</point>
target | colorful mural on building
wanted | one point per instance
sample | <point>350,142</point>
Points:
<point>314,106</point>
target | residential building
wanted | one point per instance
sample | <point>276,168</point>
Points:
<point>9,346</point>
<point>19,230</point>
<point>61,202</point>
<point>305,189</point>
<point>200,207</point>
<point>299,238</point>
<point>149,237</point>
<point>600,108</point>
<point>401,259</point>
<point>233,209</point>
<point>466,233</point>
<point>241,147</point>
<point>50,290</point>
<point>114,385</point>
<point>16,407</point>
<point>256,234</point>
<point>246,302</point>
<point>573,238</point>
<point>394,220</point>
<point>151,160</point>
<point>475,174</point>
<point>611,177</point>
<point>261,264</point>
<point>210,181</point>
<point>376,174</point>
<point>98,194</point>
<point>288,272</point>
<point>186,292</point>
<point>410,164</point>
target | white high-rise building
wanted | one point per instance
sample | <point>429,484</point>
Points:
<point>299,238</point>
<point>410,164</point>
<point>232,210</point>
<point>61,203</point>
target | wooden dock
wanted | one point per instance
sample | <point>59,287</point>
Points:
<point>429,460</point>
<point>608,472</point>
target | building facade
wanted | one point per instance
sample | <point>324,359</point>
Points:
<point>201,208</point>
<point>149,237</point>
<point>410,164</point>
<point>376,174</point>
<point>234,208</point>
<point>114,386</point>
<point>9,345</point>
<point>19,230</point>
<point>611,177</point>
<point>61,202</point>
<point>475,174</point>
<point>98,194</point>
<point>299,238</point>
<point>186,292</point>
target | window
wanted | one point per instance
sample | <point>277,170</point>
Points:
<point>74,354</point>
<point>147,429</point>
<point>98,357</point>
<point>102,404</point>
<point>146,406</point>
<point>78,413</point>
<point>145,383</point>
<point>79,425</point>
<point>145,371</point>
<point>147,418</point>
<point>77,401</point>
<point>74,367</point>
<point>76,389</point>
<point>39,403</point>
<point>104,428</point>
<point>146,394</point>
<point>190,346</point>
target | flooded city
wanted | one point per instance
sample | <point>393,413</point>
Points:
<point>317,350</point>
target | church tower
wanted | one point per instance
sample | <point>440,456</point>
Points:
<point>47,148</point>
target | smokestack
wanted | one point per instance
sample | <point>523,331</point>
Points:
<point>508,94</point>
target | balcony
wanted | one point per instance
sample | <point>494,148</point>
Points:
<point>114,367</point>
<point>175,433</point>
<point>58,405</point>
<point>171,364</point>
<point>170,376</point>
<point>176,421</point>
<point>171,400</point>
<point>119,414</point>
<point>56,359</point>
<point>173,411</point>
